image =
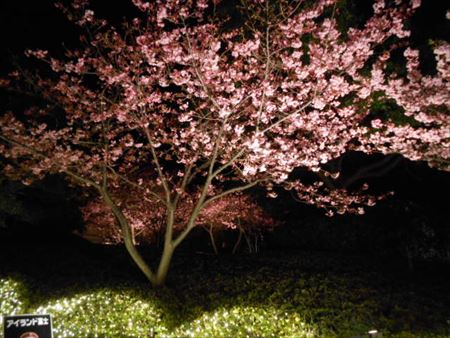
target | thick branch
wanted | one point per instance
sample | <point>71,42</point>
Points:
<point>158,166</point>
<point>202,204</point>
<point>232,191</point>
<point>229,163</point>
<point>128,237</point>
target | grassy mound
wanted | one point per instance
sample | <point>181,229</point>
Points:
<point>246,321</point>
<point>128,312</point>
<point>272,295</point>
<point>106,313</point>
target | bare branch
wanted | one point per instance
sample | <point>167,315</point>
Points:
<point>126,180</point>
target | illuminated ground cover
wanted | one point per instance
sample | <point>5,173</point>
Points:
<point>97,293</point>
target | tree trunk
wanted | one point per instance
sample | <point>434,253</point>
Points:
<point>238,241</point>
<point>213,241</point>
<point>128,239</point>
<point>164,264</point>
<point>159,278</point>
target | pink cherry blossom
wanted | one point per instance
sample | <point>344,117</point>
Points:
<point>180,109</point>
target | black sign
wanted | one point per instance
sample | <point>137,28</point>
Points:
<point>28,326</point>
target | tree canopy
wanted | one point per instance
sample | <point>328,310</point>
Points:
<point>182,107</point>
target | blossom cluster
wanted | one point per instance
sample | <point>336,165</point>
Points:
<point>184,97</point>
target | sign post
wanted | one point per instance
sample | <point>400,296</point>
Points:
<point>28,326</point>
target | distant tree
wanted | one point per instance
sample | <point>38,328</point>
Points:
<point>203,107</point>
<point>237,212</point>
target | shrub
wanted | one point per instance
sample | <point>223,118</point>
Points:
<point>106,313</point>
<point>12,294</point>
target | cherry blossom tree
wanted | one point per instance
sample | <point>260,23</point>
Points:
<point>182,107</point>
<point>238,212</point>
